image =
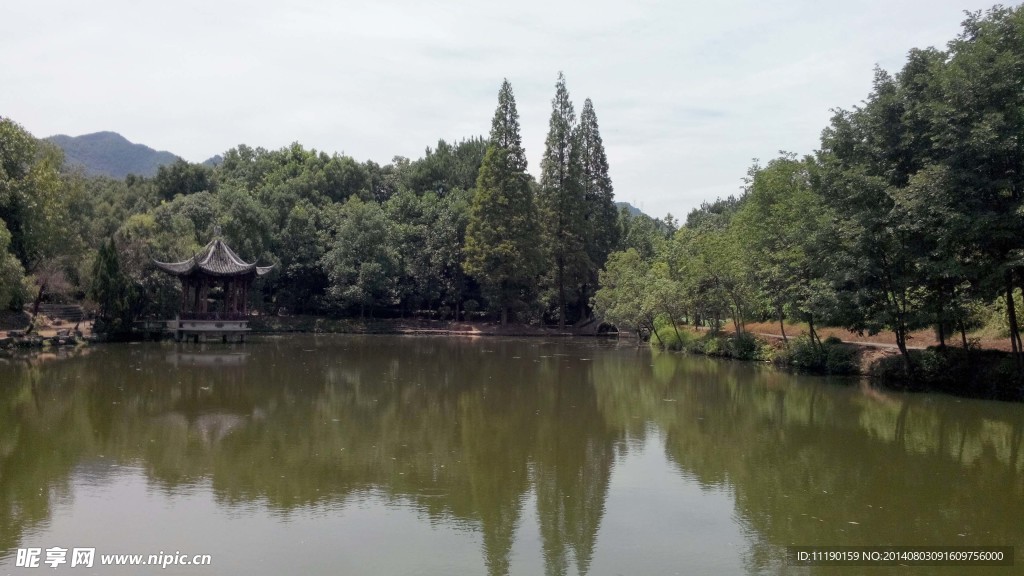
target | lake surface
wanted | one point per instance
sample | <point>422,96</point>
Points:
<point>430,455</point>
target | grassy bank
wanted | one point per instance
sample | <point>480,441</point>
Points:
<point>970,373</point>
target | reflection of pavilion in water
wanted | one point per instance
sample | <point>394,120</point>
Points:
<point>207,359</point>
<point>210,428</point>
<point>215,286</point>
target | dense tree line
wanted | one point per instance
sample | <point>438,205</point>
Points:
<point>463,229</point>
<point>908,216</point>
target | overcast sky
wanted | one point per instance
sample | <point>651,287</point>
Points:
<point>686,93</point>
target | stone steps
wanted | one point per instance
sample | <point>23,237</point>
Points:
<point>72,313</point>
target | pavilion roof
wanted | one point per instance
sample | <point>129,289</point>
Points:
<point>215,259</point>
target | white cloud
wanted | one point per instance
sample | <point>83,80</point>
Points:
<point>686,93</point>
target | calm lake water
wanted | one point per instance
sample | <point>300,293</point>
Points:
<point>422,455</point>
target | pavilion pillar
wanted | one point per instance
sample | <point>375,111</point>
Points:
<point>224,301</point>
<point>203,288</point>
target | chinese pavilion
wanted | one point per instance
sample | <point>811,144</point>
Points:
<point>214,293</point>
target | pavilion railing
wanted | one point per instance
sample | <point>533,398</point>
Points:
<point>212,316</point>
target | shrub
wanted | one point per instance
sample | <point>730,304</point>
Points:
<point>832,357</point>
<point>840,359</point>
<point>803,353</point>
<point>712,346</point>
<point>743,346</point>
<point>672,339</point>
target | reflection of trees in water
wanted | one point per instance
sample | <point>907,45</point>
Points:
<point>574,453</point>
<point>460,429</point>
<point>41,437</point>
<point>811,463</point>
<point>465,430</point>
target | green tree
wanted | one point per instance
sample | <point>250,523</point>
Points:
<point>783,226</point>
<point>977,126</point>
<point>501,249</point>
<point>164,235</point>
<point>865,163</point>
<point>562,204</point>
<point>246,225</point>
<point>447,167</point>
<point>183,178</point>
<point>37,201</point>
<point>601,216</point>
<point>17,159</point>
<point>708,253</point>
<point>362,261</point>
<point>446,242</point>
<point>302,283</point>
<point>113,292</point>
<point>623,298</point>
<point>12,292</point>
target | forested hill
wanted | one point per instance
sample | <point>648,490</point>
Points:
<point>633,210</point>
<point>110,154</point>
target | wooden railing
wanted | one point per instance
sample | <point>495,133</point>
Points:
<point>212,316</point>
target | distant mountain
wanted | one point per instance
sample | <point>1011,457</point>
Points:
<point>633,210</point>
<point>213,161</point>
<point>110,154</point>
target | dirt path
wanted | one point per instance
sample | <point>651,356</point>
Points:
<point>917,340</point>
<point>885,345</point>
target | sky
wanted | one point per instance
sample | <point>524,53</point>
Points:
<point>686,93</point>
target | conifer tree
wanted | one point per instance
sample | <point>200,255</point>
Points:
<point>501,248</point>
<point>601,216</point>
<point>112,290</point>
<point>562,204</point>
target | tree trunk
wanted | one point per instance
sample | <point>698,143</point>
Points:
<point>35,308</point>
<point>504,314</point>
<point>782,328</point>
<point>676,328</point>
<point>1011,316</point>
<point>901,343</point>
<point>561,295</point>
<point>654,331</point>
<point>815,341</point>
<point>963,333</point>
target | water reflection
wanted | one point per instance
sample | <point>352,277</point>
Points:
<point>468,433</point>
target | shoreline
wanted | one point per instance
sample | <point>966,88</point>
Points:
<point>971,373</point>
<point>323,325</point>
<point>986,374</point>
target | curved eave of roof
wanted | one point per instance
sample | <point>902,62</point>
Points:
<point>215,259</point>
<point>177,268</point>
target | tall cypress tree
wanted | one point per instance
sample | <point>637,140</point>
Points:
<point>602,230</point>
<point>501,237</point>
<point>562,203</point>
<point>112,290</point>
